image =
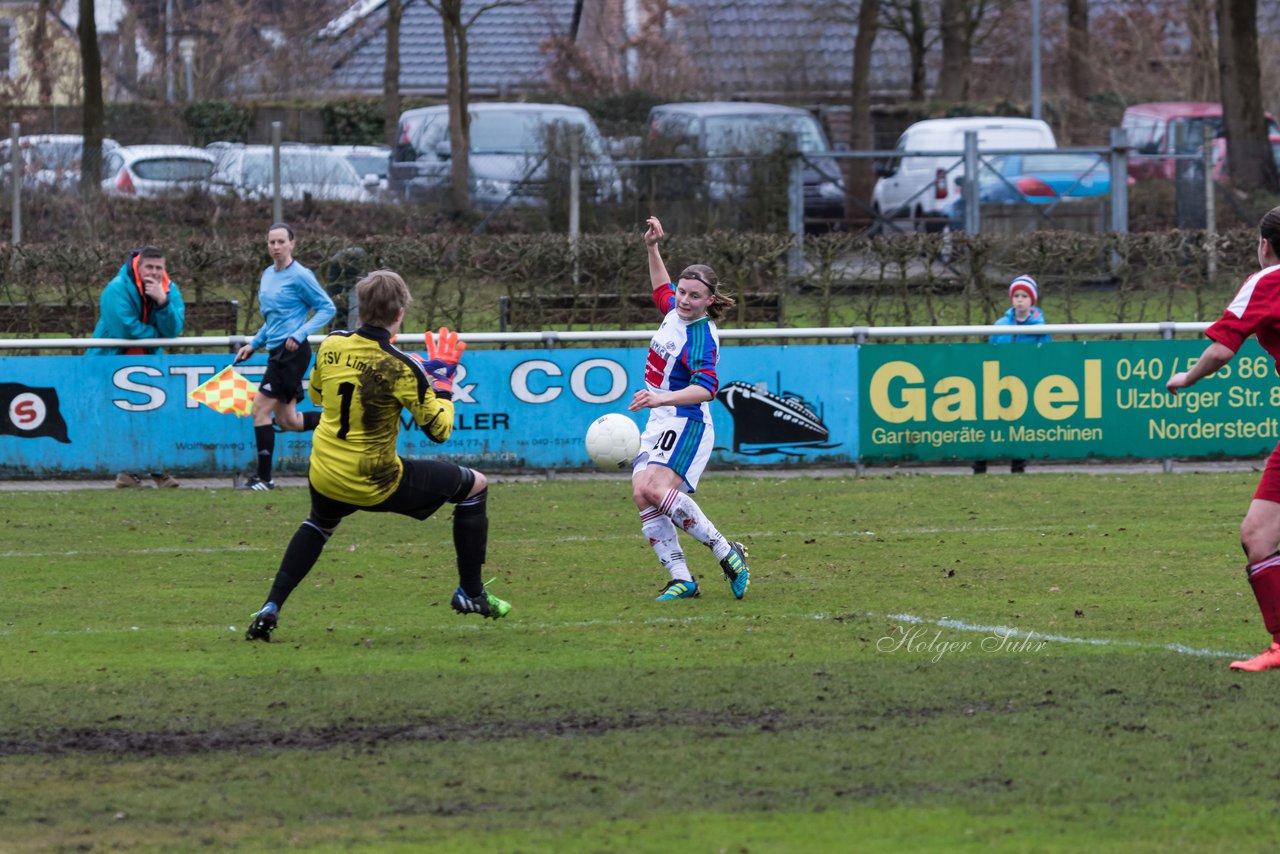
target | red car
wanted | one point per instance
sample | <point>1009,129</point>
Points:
<point>1220,170</point>
<point>1157,130</point>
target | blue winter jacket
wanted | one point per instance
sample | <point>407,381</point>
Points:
<point>1036,318</point>
<point>126,312</point>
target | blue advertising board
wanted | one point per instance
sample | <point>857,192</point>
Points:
<point>87,416</point>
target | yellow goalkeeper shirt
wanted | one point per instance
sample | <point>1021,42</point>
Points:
<point>362,382</point>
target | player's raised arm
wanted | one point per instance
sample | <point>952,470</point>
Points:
<point>658,275</point>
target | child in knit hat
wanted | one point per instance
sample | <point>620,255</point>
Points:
<point>1023,296</point>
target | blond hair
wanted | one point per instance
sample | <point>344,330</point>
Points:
<point>380,296</point>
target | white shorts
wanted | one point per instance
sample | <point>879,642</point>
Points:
<point>681,444</point>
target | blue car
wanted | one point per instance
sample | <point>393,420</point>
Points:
<point>1036,178</point>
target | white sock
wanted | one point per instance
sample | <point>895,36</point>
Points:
<point>687,515</point>
<point>665,540</point>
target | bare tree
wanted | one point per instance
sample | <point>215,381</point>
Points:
<point>1078,66</point>
<point>957,49</point>
<point>41,50</point>
<point>254,45</point>
<point>1253,166</point>
<point>391,72</point>
<point>457,89</point>
<point>1202,82</point>
<point>860,176</point>
<point>94,116</point>
<point>909,19</point>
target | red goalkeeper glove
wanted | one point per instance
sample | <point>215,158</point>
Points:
<point>442,360</point>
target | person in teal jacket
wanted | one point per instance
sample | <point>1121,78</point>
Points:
<point>140,302</point>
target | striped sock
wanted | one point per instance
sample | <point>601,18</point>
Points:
<point>665,541</point>
<point>687,515</point>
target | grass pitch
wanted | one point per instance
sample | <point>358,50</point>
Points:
<point>922,663</point>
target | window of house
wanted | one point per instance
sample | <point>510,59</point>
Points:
<point>8,48</point>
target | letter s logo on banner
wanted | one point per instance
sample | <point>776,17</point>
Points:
<point>31,413</point>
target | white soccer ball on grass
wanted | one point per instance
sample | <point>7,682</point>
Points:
<point>613,441</point>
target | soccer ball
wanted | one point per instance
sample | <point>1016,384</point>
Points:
<point>613,441</point>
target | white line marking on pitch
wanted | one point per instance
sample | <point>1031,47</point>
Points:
<point>160,551</point>
<point>945,623</point>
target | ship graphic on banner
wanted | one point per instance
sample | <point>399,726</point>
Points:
<point>765,422</point>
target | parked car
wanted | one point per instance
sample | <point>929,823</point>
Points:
<point>921,186</point>
<point>49,161</point>
<point>1159,129</point>
<point>733,129</point>
<point>510,148</point>
<point>407,132</point>
<point>368,160</point>
<point>147,171</point>
<point>1035,178</point>
<point>1222,169</point>
<point>305,170</point>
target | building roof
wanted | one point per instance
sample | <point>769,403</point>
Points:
<point>767,49</point>
<point>779,46</point>
<point>504,56</point>
<point>772,48</point>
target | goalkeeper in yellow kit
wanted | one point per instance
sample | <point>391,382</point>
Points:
<point>363,382</point>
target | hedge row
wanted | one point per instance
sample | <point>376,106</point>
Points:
<point>905,279</point>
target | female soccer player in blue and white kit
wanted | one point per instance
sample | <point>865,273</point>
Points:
<point>679,384</point>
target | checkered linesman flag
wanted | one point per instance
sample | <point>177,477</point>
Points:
<point>226,391</point>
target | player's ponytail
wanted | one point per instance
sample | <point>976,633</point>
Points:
<point>720,301</point>
<point>1269,227</point>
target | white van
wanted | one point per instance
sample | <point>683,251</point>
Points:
<point>923,187</point>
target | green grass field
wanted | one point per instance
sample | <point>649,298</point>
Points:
<point>863,697</point>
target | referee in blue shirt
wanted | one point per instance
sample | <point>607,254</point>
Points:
<point>293,307</point>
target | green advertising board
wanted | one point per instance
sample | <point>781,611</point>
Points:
<point>1061,400</point>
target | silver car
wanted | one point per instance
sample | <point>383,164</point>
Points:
<point>50,161</point>
<point>314,171</point>
<point>367,159</point>
<point>511,146</point>
<point>148,171</point>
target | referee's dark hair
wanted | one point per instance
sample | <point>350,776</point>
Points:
<point>288,229</point>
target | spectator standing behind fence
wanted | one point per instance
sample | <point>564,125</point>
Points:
<point>293,307</point>
<point>1023,295</point>
<point>140,302</point>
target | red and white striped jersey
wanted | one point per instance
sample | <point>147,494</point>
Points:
<point>683,353</point>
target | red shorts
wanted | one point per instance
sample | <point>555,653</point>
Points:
<point>1269,486</point>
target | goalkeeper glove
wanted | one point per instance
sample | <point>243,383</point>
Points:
<point>442,359</point>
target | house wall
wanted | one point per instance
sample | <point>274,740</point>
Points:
<point>20,81</point>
